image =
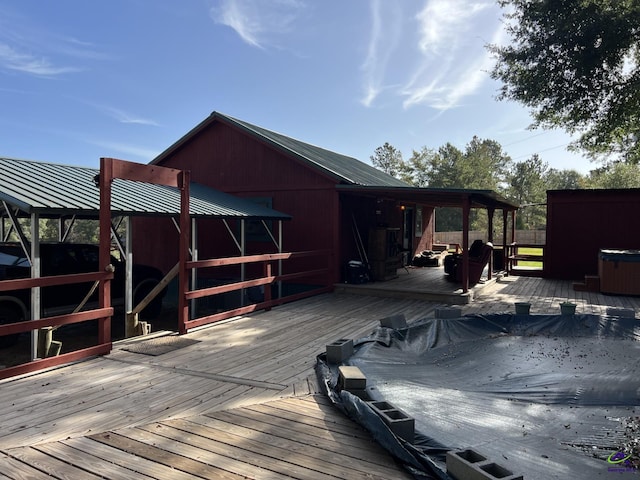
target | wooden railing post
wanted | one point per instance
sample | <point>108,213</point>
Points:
<point>267,288</point>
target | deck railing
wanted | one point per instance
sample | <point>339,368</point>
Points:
<point>517,253</point>
<point>267,281</point>
<point>103,315</point>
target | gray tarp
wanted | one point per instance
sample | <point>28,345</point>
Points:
<point>546,396</point>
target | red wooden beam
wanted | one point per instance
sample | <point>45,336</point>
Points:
<point>24,283</point>
<point>145,173</point>
<point>36,365</point>
<point>28,325</point>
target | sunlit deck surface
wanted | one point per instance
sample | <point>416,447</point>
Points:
<point>239,401</point>
<point>429,283</point>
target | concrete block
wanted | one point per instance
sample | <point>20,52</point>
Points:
<point>361,394</point>
<point>448,312</point>
<point>621,312</point>
<point>470,465</point>
<point>339,351</point>
<point>401,424</point>
<point>351,378</point>
<point>394,321</point>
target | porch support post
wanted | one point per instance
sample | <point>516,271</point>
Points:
<point>466,208</point>
<point>183,279</point>
<point>504,229</point>
<point>243,252</point>
<point>105,180</point>
<point>279,261</point>
<point>194,271</point>
<point>131,321</point>
<point>35,273</point>
<point>490,211</point>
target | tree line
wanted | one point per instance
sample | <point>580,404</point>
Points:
<point>484,165</point>
<point>575,64</point>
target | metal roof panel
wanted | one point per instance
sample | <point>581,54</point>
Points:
<point>54,189</point>
<point>344,169</point>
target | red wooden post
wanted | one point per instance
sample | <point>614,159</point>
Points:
<point>183,274</point>
<point>267,287</point>
<point>106,178</point>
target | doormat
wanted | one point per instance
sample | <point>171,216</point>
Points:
<point>160,345</point>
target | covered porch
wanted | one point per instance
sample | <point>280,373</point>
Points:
<point>429,284</point>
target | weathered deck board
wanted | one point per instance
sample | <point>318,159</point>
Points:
<point>230,404</point>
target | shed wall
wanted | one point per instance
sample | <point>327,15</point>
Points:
<point>230,160</point>
<point>581,222</point>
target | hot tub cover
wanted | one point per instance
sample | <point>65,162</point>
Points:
<point>545,396</point>
<point>609,255</point>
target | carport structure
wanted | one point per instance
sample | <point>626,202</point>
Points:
<point>35,190</point>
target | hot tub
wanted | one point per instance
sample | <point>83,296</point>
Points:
<point>619,271</point>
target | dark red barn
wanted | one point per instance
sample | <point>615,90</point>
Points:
<point>337,203</point>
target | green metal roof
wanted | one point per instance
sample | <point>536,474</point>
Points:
<point>52,189</point>
<point>344,169</point>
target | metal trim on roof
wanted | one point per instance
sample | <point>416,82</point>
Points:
<point>52,189</point>
<point>437,197</point>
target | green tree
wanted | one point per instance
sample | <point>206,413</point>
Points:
<point>576,65</point>
<point>616,175</point>
<point>388,159</point>
<point>527,187</point>
<point>482,165</point>
<point>416,169</point>
<point>564,179</point>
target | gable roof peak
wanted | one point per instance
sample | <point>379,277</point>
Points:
<point>343,168</point>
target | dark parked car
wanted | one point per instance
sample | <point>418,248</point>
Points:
<point>64,259</point>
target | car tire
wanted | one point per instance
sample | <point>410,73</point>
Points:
<point>10,314</point>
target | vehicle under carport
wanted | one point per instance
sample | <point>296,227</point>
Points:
<point>33,191</point>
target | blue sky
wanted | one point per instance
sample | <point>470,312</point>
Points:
<point>80,80</point>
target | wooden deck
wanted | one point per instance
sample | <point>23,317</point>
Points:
<point>428,283</point>
<point>239,400</point>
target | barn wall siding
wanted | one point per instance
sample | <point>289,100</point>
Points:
<point>581,222</point>
<point>227,159</point>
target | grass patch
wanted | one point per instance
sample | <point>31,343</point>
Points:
<point>530,251</point>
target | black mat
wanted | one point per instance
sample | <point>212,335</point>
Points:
<point>160,345</point>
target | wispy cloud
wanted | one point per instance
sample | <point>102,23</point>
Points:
<point>449,48</point>
<point>445,60</point>
<point>258,22</point>
<point>34,50</point>
<point>12,59</point>
<point>443,23</point>
<point>126,117</point>
<point>126,149</point>
<point>385,33</point>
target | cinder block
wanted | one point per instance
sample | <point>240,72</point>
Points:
<point>401,424</point>
<point>394,321</point>
<point>448,312</point>
<point>470,465</point>
<point>351,378</point>
<point>361,394</point>
<point>621,312</point>
<point>339,351</point>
